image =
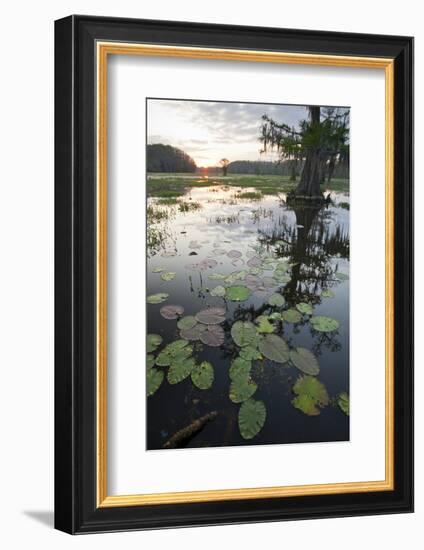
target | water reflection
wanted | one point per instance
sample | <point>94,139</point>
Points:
<point>314,242</point>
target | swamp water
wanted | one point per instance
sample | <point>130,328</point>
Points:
<point>270,363</point>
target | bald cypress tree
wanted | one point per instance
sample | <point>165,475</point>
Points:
<point>320,142</point>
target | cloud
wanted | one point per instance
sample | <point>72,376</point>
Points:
<point>209,130</point>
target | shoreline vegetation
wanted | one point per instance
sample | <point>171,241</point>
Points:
<point>169,186</point>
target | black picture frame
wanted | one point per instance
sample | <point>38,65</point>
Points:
<point>76,510</point>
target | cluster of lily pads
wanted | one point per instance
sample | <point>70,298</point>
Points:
<point>255,340</point>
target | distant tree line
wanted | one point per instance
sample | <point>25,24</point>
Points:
<point>165,158</point>
<point>281,168</point>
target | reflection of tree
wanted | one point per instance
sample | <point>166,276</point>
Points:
<point>311,249</point>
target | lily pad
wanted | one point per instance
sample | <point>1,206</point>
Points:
<point>327,293</point>
<point>211,316</point>
<point>194,332</point>
<point>341,276</point>
<point>218,291</point>
<point>243,333</point>
<point>276,300</point>
<point>250,353</point>
<point>264,325</point>
<point>311,395</point>
<point>234,254</point>
<point>324,324</point>
<point>180,370</point>
<point>255,261</point>
<point>176,351</point>
<point>241,389</point>
<point>168,276</point>
<point>202,375</point>
<point>153,341</point>
<point>171,311</point>
<point>157,269</point>
<point>255,271</point>
<point>268,282</point>
<point>305,308</point>
<point>187,322</point>
<point>273,347</point>
<point>154,379</point>
<point>235,276</point>
<point>240,368</point>
<point>305,361</point>
<point>281,276</point>
<point>157,298</point>
<point>251,418</point>
<point>238,293</point>
<point>291,316</point>
<point>216,276</point>
<point>343,402</point>
<point>213,336</point>
<point>275,316</point>
<point>150,361</point>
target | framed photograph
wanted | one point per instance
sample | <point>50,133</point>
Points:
<point>233,273</point>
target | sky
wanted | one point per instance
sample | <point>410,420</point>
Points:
<point>209,131</point>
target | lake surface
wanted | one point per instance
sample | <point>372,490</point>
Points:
<point>197,241</point>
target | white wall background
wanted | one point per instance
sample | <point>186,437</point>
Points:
<point>26,274</point>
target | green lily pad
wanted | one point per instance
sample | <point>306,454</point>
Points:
<point>171,311</point>
<point>324,324</point>
<point>255,271</point>
<point>153,341</point>
<point>264,326</point>
<point>218,291</point>
<point>251,418</point>
<point>176,351</point>
<point>343,402</point>
<point>304,308</point>
<point>202,375</point>
<point>238,293</point>
<point>276,300</point>
<point>341,276</point>
<point>180,370</point>
<point>235,276</point>
<point>275,316</point>
<point>250,353</point>
<point>291,316</point>
<point>240,368</point>
<point>305,361</point>
<point>311,395</point>
<point>211,316</point>
<point>150,361</point>
<point>157,298</point>
<point>241,389</point>
<point>168,276</point>
<point>157,269</point>
<point>154,379</point>
<point>187,322</point>
<point>281,276</point>
<point>327,293</point>
<point>243,333</point>
<point>273,347</point>
<point>216,276</point>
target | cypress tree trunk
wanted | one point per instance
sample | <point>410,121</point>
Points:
<point>310,179</point>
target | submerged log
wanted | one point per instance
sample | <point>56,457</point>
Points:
<point>181,438</point>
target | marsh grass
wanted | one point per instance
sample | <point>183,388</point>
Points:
<point>252,195</point>
<point>187,206</point>
<point>175,185</point>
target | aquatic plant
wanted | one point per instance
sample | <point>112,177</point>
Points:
<point>251,418</point>
<point>311,395</point>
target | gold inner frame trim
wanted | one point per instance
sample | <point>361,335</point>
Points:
<point>104,49</point>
